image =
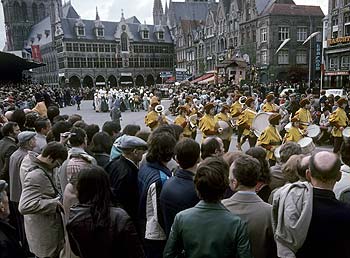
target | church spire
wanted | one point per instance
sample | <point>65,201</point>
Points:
<point>97,16</point>
<point>158,12</point>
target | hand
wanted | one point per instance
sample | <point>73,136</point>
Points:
<point>341,128</point>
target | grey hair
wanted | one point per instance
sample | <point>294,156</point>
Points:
<point>289,149</point>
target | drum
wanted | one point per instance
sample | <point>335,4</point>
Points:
<point>346,134</point>
<point>260,122</point>
<point>307,145</point>
<point>288,126</point>
<point>227,130</point>
<point>277,152</point>
<point>313,131</point>
<point>245,146</point>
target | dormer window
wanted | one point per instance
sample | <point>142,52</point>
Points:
<point>145,34</point>
<point>80,31</point>
<point>161,35</point>
<point>100,32</point>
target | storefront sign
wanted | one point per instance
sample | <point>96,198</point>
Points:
<point>335,73</point>
<point>342,40</point>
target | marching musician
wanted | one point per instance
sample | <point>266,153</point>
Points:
<point>304,114</point>
<point>245,121</point>
<point>192,110</point>
<point>207,122</point>
<point>270,138</point>
<point>338,120</point>
<point>154,119</point>
<point>223,115</point>
<point>270,106</point>
<point>295,133</point>
<point>183,121</point>
<point>236,108</point>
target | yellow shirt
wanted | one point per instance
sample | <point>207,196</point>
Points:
<point>304,116</point>
<point>339,119</point>
<point>246,118</point>
<point>206,123</point>
<point>294,134</point>
<point>152,117</point>
<point>180,120</point>
<point>191,109</point>
<point>270,136</point>
<point>269,107</point>
<point>236,109</point>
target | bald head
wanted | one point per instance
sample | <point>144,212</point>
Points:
<point>325,166</point>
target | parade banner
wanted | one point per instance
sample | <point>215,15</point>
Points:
<point>36,54</point>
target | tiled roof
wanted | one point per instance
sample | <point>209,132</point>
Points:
<point>294,10</point>
<point>191,10</point>
<point>261,5</point>
<point>69,12</point>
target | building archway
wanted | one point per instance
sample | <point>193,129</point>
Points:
<point>126,81</point>
<point>88,81</point>
<point>150,80</point>
<point>112,81</point>
<point>159,80</point>
<point>74,81</point>
<point>100,81</point>
<point>140,81</point>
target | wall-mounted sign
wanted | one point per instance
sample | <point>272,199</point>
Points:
<point>342,40</point>
<point>318,56</point>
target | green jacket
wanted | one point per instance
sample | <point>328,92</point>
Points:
<point>208,230</point>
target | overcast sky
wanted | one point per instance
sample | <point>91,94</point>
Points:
<point>142,9</point>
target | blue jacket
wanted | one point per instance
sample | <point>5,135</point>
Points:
<point>178,194</point>
<point>151,179</point>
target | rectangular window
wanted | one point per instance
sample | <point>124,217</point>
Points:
<point>264,57</point>
<point>102,62</point>
<point>83,62</point>
<point>100,32</point>
<point>94,47</point>
<point>301,33</point>
<point>333,63</point>
<point>96,62</point>
<point>107,48</point>
<point>75,47</point>
<point>70,62</point>
<point>334,4</point>
<point>345,62</point>
<point>145,34</point>
<point>161,35</point>
<point>76,62</point>
<point>69,47</point>
<point>82,47</point>
<point>113,49</point>
<point>88,48</point>
<point>90,62</point>
<point>81,31</point>
<point>283,33</point>
<point>263,34</point>
<point>347,24</point>
<point>283,57</point>
<point>301,57</point>
<point>101,48</point>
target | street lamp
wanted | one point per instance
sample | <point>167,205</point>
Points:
<point>310,52</point>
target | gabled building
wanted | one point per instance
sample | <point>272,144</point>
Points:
<point>96,52</point>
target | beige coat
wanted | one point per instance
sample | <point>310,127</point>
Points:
<point>39,205</point>
<point>253,210</point>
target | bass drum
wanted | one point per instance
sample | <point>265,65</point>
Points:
<point>227,130</point>
<point>346,134</point>
<point>313,131</point>
<point>260,122</point>
<point>307,145</point>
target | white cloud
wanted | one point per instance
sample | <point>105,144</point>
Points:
<point>111,10</point>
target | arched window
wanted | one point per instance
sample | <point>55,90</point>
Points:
<point>17,11</point>
<point>124,41</point>
<point>35,12</point>
<point>42,13</point>
<point>24,12</point>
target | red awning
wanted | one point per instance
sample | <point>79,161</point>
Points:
<point>203,77</point>
<point>170,80</point>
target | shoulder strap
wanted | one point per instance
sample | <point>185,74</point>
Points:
<point>48,177</point>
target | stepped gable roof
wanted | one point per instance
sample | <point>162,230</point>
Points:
<point>189,25</point>
<point>191,10</point>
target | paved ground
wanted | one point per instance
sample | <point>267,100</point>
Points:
<point>92,117</point>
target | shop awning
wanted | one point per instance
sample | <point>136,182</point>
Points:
<point>203,77</point>
<point>170,80</point>
<point>208,80</point>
